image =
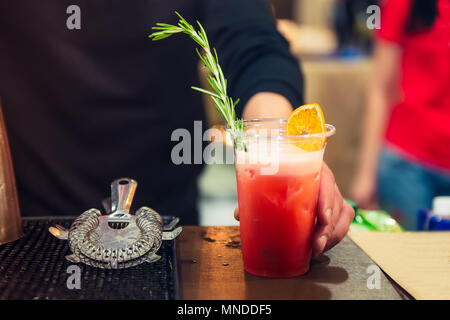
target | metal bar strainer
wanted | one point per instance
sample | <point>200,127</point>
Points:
<point>117,241</point>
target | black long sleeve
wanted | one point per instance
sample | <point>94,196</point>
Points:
<point>254,55</point>
<point>84,107</point>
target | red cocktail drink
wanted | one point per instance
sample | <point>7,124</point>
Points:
<point>277,192</point>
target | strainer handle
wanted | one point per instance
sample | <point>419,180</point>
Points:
<point>122,193</point>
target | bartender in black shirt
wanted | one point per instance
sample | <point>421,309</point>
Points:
<point>91,101</point>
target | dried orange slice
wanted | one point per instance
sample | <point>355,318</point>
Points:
<point>307,119</point>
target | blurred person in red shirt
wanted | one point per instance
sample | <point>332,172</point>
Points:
<point>405,157</point>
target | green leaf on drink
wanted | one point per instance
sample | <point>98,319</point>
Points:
<point>225,105</point>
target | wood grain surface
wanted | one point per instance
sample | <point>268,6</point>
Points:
<point>210,267</point>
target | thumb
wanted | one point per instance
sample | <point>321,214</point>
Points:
<point>236,213</point>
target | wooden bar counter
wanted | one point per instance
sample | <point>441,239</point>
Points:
<point>210,267</point>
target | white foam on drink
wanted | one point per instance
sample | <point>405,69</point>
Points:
<point>283,158</point>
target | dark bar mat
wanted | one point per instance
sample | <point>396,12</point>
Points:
<point>34,267</point>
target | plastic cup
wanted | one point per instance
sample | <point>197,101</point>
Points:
<point>278,187</point>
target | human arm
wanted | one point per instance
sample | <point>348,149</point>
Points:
<point>382,92</point>
<point>254,56</point>
<point>267,79</point>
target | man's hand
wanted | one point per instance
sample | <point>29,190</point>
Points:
<point>334,214</point>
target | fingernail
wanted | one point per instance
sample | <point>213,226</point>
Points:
<point>322,243</point>
<point>328,215</point>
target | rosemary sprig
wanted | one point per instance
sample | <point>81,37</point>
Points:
<point>224,104</point>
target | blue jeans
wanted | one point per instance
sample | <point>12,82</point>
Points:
<point>405,186</point>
